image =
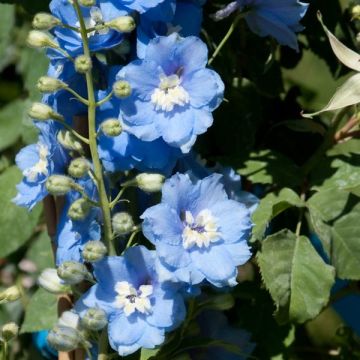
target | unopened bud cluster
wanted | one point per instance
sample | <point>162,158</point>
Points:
<point>111,127</point>
<point>79,209</point>
<point>47,84</point>
<point>59,185</point>
<point>150,182</point>
<point>94,251</point>
<point>39,39</point>
<point>122,89</point>
<point>43,112</point>
<point>45,21</point>
<point>50,281</point>
<point>10,294</point>
<point>72,272</point>
<point>123,223</point>
<point>9,331</point>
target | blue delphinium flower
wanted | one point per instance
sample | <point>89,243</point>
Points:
<point>126,151</point>
<point>139,307</point>
<point>277,18</point>
<point>173,94</point>
<point>199,233</point>
<point>37,162</point>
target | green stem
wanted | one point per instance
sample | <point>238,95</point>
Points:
<point>78,97</point>
<point>118,197</point>
<point>5,350</point>
<point>98,173</point>
<point>105,99</point>
<point>103,345</point>
<point>75,133</point>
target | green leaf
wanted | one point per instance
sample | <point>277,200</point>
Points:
<point>304,125</point>
<point>296,276</point>
<point>11,117</point>
<point>7,22</point>
<point>41,312</point>
<point>346,245</point>
<point>271,206</point>
<point>270,167</point>
<point>40,252</point>
<point>147,354</point>
<point>16,224</point>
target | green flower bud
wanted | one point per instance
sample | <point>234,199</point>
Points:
<point>9,331</point>
<point>150,182</point>
<point>122,89</point>
<point>48,84</point>
<point>87,3</point>
<point>125,24</point>
<point>45,21</point>
<point>78,168</point>
<point>58,185</point>
<point>111,127</point>
<point>63,338</point>
<point>355,12</point>
<point>50,281</point>
<point>10,294</point>
<point>83,64</point>
<point>94,319</point>
<point>94,251</point>
<point>79,209</point>
<point>72,272</point>
<point>123,223</point>
<point>69,141</point>
<point>39,39</point>
<point>43,112</point>
<point>70,319</point>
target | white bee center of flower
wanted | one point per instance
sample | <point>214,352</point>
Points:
<point>169,93</point>
<point>95,19</point>
<point>201,231</point>
<point>41,167</point>
<point>130,300</point>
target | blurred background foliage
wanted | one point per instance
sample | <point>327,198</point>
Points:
<point>260,133</point>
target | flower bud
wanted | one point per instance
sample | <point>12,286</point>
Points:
<point>9,331</point>
<point>94,251</point>
<point>72,272</point>
<point>48,84</point>
<point>63,338</point>
<point>111,127</point>
<point>79,209</point>
<point>94,319</point>
<point>355,12</point>
<point>78,168</point>
<point>87,3</point>
<point>39,39</point>
<point>69,141</point>
<point>122,89</point>
<point>69,319</point>
<point>43,112</point>
<point>123,223</point>
<point>150,182</point>
<point>10,294</point>
<point>50,281</point>
<point>83,64</point>
<point>45,21</point>
<point>123,24</point>
<point>59,185</point>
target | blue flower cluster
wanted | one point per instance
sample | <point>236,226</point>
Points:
<point>199,230</point>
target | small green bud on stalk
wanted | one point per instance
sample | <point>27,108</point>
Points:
<point>123,223</point>
<point>10,294</point>
<point>69,141</point>
<point>94,319</point>
<point>45,21</point>
<point>38,39</point>
<point>150,182</point>
<point>50,281</point>
<point>59,185</point>
<point>94,251</point>
<point>111,127</point>
<point>122,89</point>
<point>83,64</point>
<point>64,338</point>
<point>9,331</point>
<point>78,168</point>
<point>87,3</point>
<point>48,84</point>
<point>43,112</point>
<point>72,272</point>
<point>125,24</point>
<point>79,209</point>
<point>69,319</point>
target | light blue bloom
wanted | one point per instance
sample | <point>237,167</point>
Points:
<point>173,94</point>
<point>199,233</point>
<point>140,309</point>
<point>277,18</point>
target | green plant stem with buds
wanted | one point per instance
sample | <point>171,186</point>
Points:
<point>98,172</point>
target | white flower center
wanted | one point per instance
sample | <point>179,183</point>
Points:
<point>41,167</point>
<point>95,19</point>
<point>200,232</point>
<point>169,93</point>
<point>132,300</point>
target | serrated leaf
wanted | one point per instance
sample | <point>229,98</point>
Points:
<point>271,206</point>
<point>270,167</point>
<point>16,224</point>
<point>41,312</point>
<point>296,276</point>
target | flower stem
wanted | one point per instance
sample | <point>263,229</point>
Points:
<point>98,172</point>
